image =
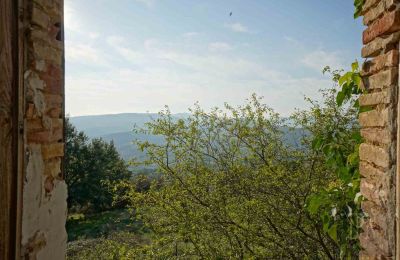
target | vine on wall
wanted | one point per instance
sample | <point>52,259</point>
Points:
<point>339,205</point>
<point>358,4</point>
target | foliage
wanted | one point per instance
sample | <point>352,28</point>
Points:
<point>358,4</point>
<point>231,187</point>
<point>339,204</point>
<point>92,169</point>
<point>118,246</point>
<point>103,224</point>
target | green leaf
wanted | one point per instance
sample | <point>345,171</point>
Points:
<point>354,66</point>
<point>340,98</point>
<point>332,232</point>
<point>314,204</point>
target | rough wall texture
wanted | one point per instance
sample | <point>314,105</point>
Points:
<point>44,190</point>
<point>379,127</point>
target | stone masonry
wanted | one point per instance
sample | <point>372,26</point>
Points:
<point>44,190</point>
<point>380,73</point>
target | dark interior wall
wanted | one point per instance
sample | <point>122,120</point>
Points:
<point>8,126</point>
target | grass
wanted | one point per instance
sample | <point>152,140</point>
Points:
<point>105,235</point>
<point>103,224</point>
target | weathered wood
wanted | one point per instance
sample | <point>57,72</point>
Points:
<point>8,132</point>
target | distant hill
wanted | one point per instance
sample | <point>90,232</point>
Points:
<point>118,128</point>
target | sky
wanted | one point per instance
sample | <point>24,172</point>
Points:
<point>136,56</point>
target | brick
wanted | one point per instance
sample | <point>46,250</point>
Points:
<point>383,79</point>
<point>53,79</point>
<point>34,82</point>
<point>54,112</point>
<point>52,150</point>
<point>43,51</point>
<point>377,215</point>
<point>376,135</point>
<point>30,111</point>
<point>53,168</point>
<point>375,118</point>
<point>370,172</point>
<point>383,61</point>
<point>375,154</point>
<point>34,124</point>
<point>49,184</point>
<point>44,136</point>
<point>57,123</point>
<point>38,137</point>
<point>40,18</point>
<point>385,25</point>
<point>53,100</point>
<point>47,38</point>
<point>375,243</point>
<point>53,7</point>
<point>376,98</point>
<point>368,4</point>
<point>374,13</point>
<point>379,45</point>
<point>376,190</point>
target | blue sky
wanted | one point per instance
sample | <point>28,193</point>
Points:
<point>139,55</point>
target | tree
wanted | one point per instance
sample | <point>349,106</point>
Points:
<point>92,169</point>
<point>234,188</point>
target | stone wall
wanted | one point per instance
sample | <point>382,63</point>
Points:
<point>44,190</point>
<point>379,127</point>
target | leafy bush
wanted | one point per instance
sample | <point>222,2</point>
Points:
<point>232,187</point>
<point>92,169</point>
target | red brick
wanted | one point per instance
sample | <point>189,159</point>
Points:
<point>49,184</point>
<point>383,61</point>
<point>52,150</point>
<point>387,24</point>
<point>53,79</point>
<point>375,154</point>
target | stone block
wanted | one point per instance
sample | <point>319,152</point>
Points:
<point>389,23</point>
<point>54,112</point>
<point>375,155</point>
<point>53,79</point>
<point>375,118</point>
<point>52,150</point>
<point>376,190</point>
<point>380,44</point>
<point>382,79</point>
<point>49,184</point>
<point>368,4</point>
<point>376,135</point>
<point>40,18</point>
<point>370,172</point>
<point>389,59</point>
<point>30,111</point>
<point>43,51</point>
<point>376,98</point>
<point>374,12</point>
<point>33,124</point>
<point>53,168</point>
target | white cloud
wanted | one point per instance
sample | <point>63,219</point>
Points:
<point>85,53</point>
<point>119,45</point>
<point>94,35</point>
<point>237,27</point>
<point>219,46</point>
<point>168,75</point>
<point>115,40</point>
<point>319,59</point>
<point>71,19</point>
